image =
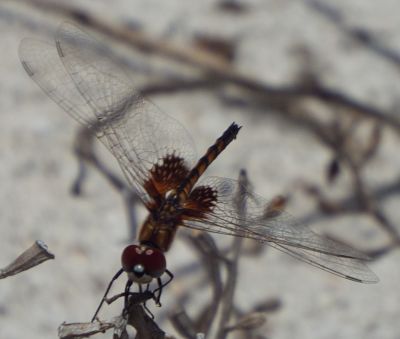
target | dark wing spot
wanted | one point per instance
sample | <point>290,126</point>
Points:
<point>166,175</point>
<point>201,200</point>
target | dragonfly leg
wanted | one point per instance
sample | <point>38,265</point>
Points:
<point>126,297</point>
<point>161,285</point>
<point>115,277</point>
<point>151,315</point>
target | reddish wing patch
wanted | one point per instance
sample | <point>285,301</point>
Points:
<point>201,200</point>
<point>165,176</point>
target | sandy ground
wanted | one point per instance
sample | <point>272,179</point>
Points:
<point>87,234</point>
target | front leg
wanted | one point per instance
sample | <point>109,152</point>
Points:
<point>160,287</point>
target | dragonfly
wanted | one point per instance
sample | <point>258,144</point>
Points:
<point>157,156</point>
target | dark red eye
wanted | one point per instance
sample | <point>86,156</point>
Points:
<point>152,259</point>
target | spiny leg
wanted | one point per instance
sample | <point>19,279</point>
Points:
<point>126,292</point>
<point>159,289</point>
<point>115,277</point>
<point>144,304</point>
<point>151,315</point>
<point>161,285</point>
<point>126,297</point>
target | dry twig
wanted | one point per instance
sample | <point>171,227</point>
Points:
<point>33,256</point>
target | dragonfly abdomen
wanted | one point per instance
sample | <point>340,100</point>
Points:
<point>212,153</point>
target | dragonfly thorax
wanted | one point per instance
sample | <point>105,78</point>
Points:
<point>170,209</point>
<point>158,230</point>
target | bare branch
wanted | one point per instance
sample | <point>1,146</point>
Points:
<point>183,324</point>
<point>248,322</point>
<point>232,266</point>
<point>359,34</point>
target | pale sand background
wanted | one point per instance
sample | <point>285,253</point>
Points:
<point>87,234</point>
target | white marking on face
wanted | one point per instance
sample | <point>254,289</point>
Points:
<point>144,279</point>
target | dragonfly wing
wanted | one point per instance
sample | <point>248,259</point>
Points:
<point>42,63</point>
<point>91,87</point>
<point>349,268</point>
<point>279,228</point>
<point>105,86</point>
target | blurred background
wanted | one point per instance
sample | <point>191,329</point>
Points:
<point>315,85</point>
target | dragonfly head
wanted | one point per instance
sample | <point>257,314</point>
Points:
<point>143,263</point>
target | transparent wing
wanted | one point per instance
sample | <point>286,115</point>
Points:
<point>76,72</point>
<point>260,222</point>
<point>349,268</point>
<point>42,63</point>
<point>101,82</point>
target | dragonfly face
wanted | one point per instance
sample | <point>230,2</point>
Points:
<point>143,263</point>
<point>157,156</point>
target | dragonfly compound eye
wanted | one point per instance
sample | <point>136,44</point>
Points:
<point>143,261</point>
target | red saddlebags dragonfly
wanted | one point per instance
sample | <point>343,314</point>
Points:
<point>157,157</point>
